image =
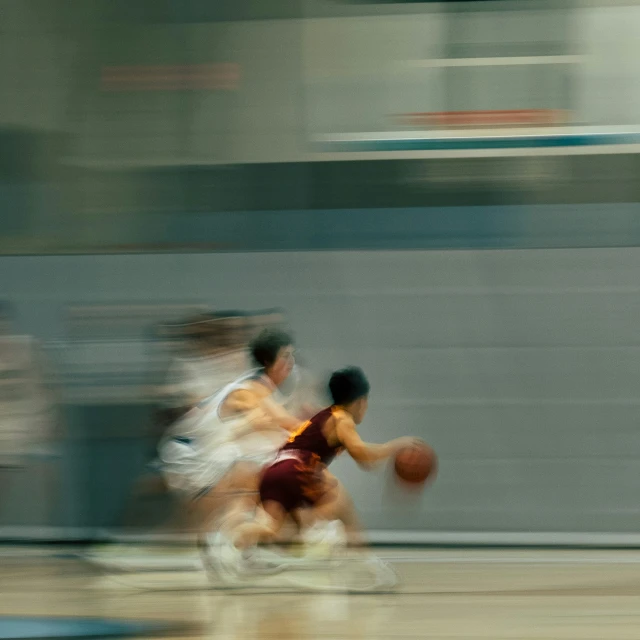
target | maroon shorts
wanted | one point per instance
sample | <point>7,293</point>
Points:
<point>292,484</point>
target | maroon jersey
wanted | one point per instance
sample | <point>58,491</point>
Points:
<point>309,440</point>
<point>296,477</point>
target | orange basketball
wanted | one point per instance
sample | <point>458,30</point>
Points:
<point>417,464</point>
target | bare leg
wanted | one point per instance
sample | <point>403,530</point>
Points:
<point>271,517</point>
<point>229,501</point>
<point>339,506</point>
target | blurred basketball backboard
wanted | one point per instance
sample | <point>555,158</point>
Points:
<point>460,76</point>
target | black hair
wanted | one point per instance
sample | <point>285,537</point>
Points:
<point>348,385</point>
<point>266,347</point>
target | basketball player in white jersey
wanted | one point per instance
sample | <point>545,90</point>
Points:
<point>213,454</point>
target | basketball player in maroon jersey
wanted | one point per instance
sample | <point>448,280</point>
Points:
<point>298,480</point>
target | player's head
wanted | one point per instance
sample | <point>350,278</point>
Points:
<point>272,350</point>
<point>349,389</point>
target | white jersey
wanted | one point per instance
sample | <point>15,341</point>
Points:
<point>203,427</point>
<point>202,446</point>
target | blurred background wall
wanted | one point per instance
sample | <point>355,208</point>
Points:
<point>158,155</point>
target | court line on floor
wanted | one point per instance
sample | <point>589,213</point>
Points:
<point>419,556</point>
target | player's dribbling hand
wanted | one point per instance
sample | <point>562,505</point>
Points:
<point>406,442</point>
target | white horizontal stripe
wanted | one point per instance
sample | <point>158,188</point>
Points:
<point>477,134</point>
<point>497,61</point>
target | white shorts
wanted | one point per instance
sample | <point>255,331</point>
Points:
<point>192,472</point>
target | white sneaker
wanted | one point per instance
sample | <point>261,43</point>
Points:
<point>336,534</point>
<point>254,561</point>
<point>251,561</point>
<point>324,539</point>
<point>221,556</point>
<point>386,577</point>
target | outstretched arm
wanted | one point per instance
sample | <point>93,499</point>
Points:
<point>280,415</point>
<point>364,453</point>
<point>260,414</point>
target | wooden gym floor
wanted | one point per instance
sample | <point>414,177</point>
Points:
<point>445,594</point>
